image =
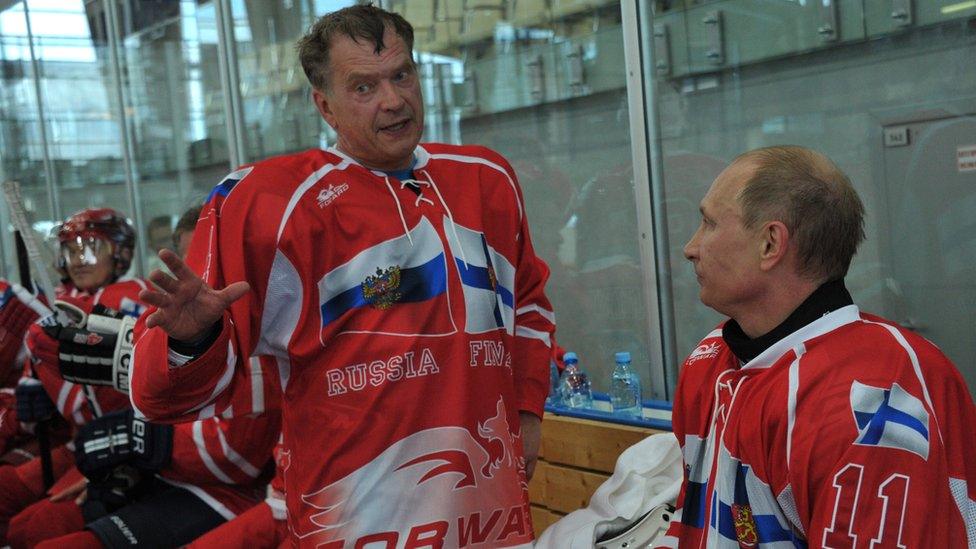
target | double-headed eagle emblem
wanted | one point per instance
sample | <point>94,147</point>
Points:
<point>382,289</point>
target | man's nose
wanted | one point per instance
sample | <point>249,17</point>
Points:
<point>390,98</point>
<point>691,248</point>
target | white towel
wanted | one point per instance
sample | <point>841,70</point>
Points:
<point>646,475</point>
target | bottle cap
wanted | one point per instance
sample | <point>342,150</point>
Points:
<point>622,357</point>
<point>570,357</point>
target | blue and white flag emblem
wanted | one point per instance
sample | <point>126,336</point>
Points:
<point>487,279</point>
<point>892,418</point>
<point>396,287</point>
<point>228,183</point>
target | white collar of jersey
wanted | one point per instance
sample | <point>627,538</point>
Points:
<point>420,154</point>
<point>827,323</point>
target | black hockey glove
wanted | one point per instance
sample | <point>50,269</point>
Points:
<point>96,350</point>
<point>118,439</point>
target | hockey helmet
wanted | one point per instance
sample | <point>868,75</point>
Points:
<point>88,228</point>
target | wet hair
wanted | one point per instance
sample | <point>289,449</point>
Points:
<point>814,199</point>
<point>360,22</point>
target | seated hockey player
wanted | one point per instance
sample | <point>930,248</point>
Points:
<point>95,249</point>
<point>19,308</point>
<point>154,485</point>
<point>151,484</point>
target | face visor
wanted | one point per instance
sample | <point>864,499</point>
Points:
<point>84,250</point>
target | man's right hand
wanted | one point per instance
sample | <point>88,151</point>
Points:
<point>187,308</point>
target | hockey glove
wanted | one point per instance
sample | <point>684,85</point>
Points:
<point>94,350</point>
<point>33,402</point>
<point>119,438</point>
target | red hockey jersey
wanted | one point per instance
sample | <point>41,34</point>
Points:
<point>849,432</point>
<point>409,326</point>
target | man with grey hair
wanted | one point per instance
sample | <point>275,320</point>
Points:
<point>396,288</point>
<point>804,421</point>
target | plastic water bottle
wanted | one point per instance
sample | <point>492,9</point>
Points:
<point>553,397</point>
<point>574,386</point>
<point>625,388</point>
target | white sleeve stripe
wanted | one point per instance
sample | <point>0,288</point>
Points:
<point>78,416</point>
<point>78,404</point>
<point>205,455</point>
<point>794,384</point>
<point>207,412</point>
<point>546,314</point>
<point>222,383</point>
<point>522,331</point>
<point>257,386</point>
<point>63,397</point>
<point>235,458</point>
<point>202,494</point>
<point>228,374</point>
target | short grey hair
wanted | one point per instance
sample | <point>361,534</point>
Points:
<point>360,22</point>
<point>814,199</point>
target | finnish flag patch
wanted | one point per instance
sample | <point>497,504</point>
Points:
<point>487,280</point>
<point>891,418</point>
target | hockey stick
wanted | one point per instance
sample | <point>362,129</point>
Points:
<point>18,217</point>
<point>41,428</point>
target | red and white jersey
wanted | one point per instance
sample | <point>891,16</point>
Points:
<point>409,331</point>
<point>222,461</point>
<point>79,403</point>
<point>849,432</point>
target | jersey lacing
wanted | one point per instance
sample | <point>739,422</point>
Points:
<point>420,183</point>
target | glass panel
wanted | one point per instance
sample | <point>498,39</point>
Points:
<point>896,114</point>
<point>176,110</point>
<point>278,115</point>
<point>80,107</point>
<point>22,148</point>
<point>544,84</point>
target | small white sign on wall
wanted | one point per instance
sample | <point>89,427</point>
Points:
<point>966,158</point>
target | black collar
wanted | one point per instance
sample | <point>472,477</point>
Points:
<point>829,297</point>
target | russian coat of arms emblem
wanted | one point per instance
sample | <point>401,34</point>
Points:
<point>382,289</point>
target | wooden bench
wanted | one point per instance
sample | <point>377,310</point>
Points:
<point>576,456</point>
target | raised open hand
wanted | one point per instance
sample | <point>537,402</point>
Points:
<point>187,307</point>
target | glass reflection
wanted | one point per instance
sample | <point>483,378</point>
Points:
<point>176,106</point>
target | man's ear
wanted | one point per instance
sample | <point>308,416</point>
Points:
<point>322,103</point>
<point>774,244</point>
